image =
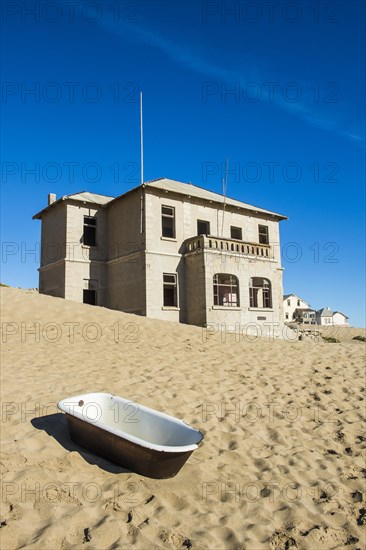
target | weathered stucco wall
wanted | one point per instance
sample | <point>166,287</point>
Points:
<point>53,235</point>
<point>124,226</point>
<point>52,279</point>
<point>126,290</point>
<point>84,263</point>
<point>126,284</point>
<point>263,321</point>
<point>53,247</point>
<point>196,270</point>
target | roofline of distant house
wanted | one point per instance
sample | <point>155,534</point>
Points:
<point>248,208</point>
<point>346,316</point>
<point>287,296</point>
<point>322,314</point>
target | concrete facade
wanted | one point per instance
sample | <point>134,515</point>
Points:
<point>134,266</point>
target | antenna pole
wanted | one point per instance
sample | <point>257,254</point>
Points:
<point>224,189</point>
<point>141,144</point>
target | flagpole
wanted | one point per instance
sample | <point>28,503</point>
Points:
<point>141,144</point>
<point>224,190</point>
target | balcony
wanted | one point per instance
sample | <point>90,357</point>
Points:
<point>228,246</point>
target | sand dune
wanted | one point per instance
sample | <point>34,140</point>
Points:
<point>282,464</point>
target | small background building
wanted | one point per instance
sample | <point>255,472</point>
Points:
<point>296,309</point>
<point>326,316</point>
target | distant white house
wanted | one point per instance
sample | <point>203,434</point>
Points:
<point>340,318</point>
<point>297,309</point>
<point>326,316</point>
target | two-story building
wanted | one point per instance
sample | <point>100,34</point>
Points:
<point>167,250</point>
<point>298,310</point>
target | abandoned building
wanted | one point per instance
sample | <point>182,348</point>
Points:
<point>297,309</point>
<point>166,250</point>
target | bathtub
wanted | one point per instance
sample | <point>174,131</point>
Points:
<point>148,442</point>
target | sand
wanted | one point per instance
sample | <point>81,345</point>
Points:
<point>281,466</point>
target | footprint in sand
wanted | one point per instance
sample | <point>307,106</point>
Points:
<point>281,541</point>
<point>357,496</point>
<point>87,535</point>
<point>333,452</point>
<point>361,520</point>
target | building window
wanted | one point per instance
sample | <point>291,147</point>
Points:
<point>260,294</point>
<point>168,221</point>
<point>236,233</point>
<point>286,315</point>
<point>263,234</point>
<point>288,302</point>
<point>226,290</point>
<point>170,290</point>
<point>203,227</point>
<point>90,231</point>
<point>298,302</point>
<point>90,291</point>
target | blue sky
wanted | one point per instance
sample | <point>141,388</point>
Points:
<point>277,88</point>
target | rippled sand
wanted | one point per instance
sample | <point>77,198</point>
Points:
<point>281,466</point>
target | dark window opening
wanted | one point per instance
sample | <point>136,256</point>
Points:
<point>90,297</point>
<point>90,231</point>
<point>226,290</point>
<point>298,302</point>
<point>263,234</point>
<point>288,302</point>
<point>170,289</point>
<point>168,221</point>
<point>236,233</point>
<point>260,293</point>
<point>203,227</point>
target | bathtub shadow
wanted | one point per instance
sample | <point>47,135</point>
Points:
<point>55,425</point>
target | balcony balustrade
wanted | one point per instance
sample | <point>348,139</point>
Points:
<point>227,246</point>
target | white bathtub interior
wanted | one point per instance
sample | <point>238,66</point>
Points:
<point>130,418</point>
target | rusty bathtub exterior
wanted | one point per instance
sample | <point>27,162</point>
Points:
<point>144,441</point>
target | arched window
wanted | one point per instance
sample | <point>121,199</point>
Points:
<point>226,290</point>
<point>260,292</point>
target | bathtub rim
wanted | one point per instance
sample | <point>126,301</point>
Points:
<point>61,405</point>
